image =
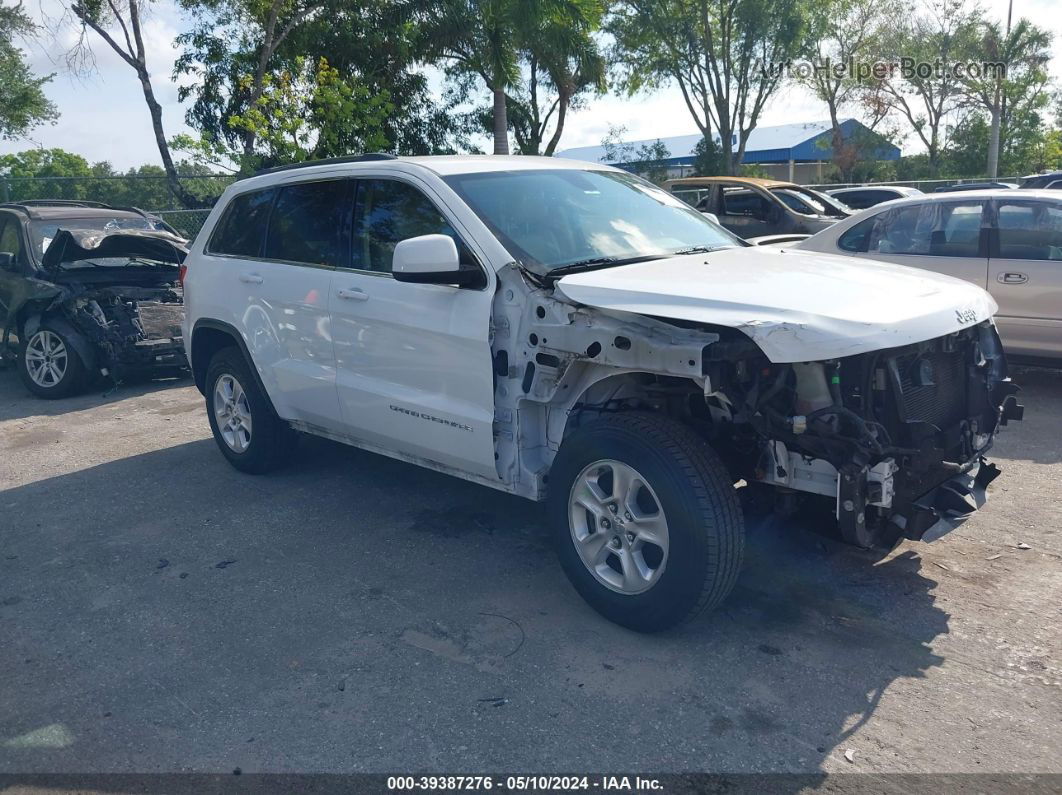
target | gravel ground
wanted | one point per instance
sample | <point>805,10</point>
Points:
<point>159,611</point>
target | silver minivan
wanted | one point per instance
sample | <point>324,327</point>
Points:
<point>1008,242</point>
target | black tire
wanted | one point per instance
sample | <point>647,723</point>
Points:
<point>704,522</point>
<point>271,439</point>
<point>75,375</point>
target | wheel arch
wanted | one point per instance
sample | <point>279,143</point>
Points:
<point>32,317</point>
<point>211,336</point>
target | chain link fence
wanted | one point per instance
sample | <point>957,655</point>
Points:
<point>146,192</point>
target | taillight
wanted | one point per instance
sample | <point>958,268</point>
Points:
<point>181,273</point>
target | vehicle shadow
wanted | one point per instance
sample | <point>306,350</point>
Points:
<point>1035,437</point>
<point>169,591</point>
<point>16,402</point>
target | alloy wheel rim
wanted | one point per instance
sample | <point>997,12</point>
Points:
<point>46,359</point>
<point>618,527</point>
<point>233,413</point>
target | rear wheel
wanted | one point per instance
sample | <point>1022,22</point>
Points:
<point>646,520</point>
<point>246,429</point>
<point>50,366</point>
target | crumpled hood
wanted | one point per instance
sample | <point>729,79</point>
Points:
<point>81,244</point>
<point>797,306</point>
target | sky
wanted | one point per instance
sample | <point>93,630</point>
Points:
<point>104,116</point>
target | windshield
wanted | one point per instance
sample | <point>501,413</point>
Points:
<point>567,218</point>
<point>42,232</point>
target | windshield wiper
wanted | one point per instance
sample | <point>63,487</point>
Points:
<point>594,263</point>
<point>697,250</point>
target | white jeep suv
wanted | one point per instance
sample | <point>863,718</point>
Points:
<point>569,332</point>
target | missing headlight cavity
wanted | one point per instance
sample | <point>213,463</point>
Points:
<point>623,343</point>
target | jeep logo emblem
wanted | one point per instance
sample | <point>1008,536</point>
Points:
<point>965,315</point>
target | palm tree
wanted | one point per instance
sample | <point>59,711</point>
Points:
<point>485,38</point>
<point>1025,51</point>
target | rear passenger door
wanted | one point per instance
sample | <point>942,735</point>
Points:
<point>946,237</point>
<point>1025,275</point>
<point>271,257</point>
<point>413,360</point>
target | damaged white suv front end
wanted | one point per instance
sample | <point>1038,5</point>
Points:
<point>878,387</point>
<point>571,333</point>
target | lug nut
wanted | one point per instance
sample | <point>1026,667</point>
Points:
<point>630,537</point>
<point>627,516</point>
<point>615,542</point>
<point>612,507</point>
<point>605,523</point>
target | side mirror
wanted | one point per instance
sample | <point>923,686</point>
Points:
<point>7,261</point>
<point>711,217</point>
<point>433,259</point>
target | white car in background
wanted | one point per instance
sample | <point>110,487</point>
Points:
<point>863,196</point>
<point>1008,242</point>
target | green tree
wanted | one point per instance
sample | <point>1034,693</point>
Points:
<point>841,32</point>
<point>23,105</point>
<point>725,56</point>
<point>370,50</point>
<point>1025,51</point>
<point>939,34</point>
<point>563,64</point>
<point>119,23</point>
<point>650,161</point>
<point>707,161</point>
<point>486,38</point>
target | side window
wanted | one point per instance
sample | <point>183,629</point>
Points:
<point>309,223</point>
<point>387,212</point>
<point>242,228</point>
<point>935,229</point>
<point>741,201</point>
<point>1030,230</point>
<point>857,199</point>
<point>855,239</point>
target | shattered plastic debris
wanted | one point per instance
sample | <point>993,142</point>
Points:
<point>1023,545</point>
<point>850,755</point>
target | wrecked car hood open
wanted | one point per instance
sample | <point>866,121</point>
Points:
<point>796,306</point>
<point>77,245</point>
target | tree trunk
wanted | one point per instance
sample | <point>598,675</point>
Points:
<point>183,196</point>
<point>501,123</point>
<point>562,110</point>
<point>993,142</point>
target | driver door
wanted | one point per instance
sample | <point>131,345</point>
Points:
<point>413,361</point>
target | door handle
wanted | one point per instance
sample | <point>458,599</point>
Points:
<point>250,278</point>
<point>1012,277</point>
<point>353,294</point>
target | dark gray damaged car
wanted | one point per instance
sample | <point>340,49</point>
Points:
<point>88,292</point>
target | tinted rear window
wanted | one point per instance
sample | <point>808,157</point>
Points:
<point>242,229</point>
<point>310,223</point>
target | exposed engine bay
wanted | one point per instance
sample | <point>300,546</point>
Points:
<point>892,440</point>
<point>115,294</point>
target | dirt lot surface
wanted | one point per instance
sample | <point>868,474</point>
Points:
<point>160,611</point>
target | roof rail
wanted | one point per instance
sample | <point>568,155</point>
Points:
<point>60,203</point>
<point>328,161</point>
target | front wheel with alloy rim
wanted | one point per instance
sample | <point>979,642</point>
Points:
<point>646,520</point>
<point>246,428</point>
<point>49,365</point>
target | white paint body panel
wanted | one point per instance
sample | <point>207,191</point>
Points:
<point>797,307</point>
